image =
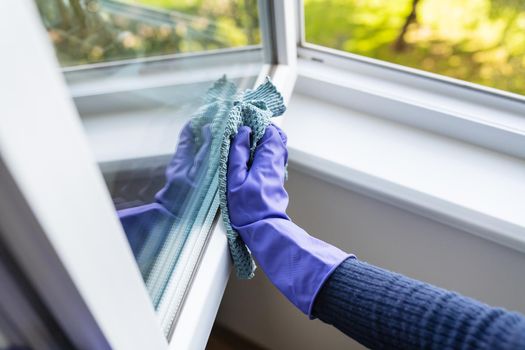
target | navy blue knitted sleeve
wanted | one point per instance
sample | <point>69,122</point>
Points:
<point>385,310</point>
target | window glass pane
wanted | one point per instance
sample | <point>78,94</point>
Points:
<point>91,31</point>
<point>156,126</point>
<point>480,41</point>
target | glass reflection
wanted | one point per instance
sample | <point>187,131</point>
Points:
<point>163,187</point>
<point>166,231</point>
<point>94,31</point>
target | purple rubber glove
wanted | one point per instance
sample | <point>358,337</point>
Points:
<point>139,223</point>
<point>182,175</point>
<point>296,263</point>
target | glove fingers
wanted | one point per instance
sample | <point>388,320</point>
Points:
<point>239,157</point>
<point>283,135</point>
<point>203,151</point>
<point>186,143</point>
<point>177,183</point>
<point>185,150</point>
<point>271,151</point>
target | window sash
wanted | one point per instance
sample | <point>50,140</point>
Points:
<point>317,52</point>
<point>54,235</point>
<point>61,214</point>
<point>465,111</point>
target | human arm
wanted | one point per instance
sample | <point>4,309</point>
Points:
<point>296,262</point>
<point>384,310</point>
<point>378,308</point>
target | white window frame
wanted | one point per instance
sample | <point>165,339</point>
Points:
<point>55,209</point>
<point>57,253</point>
<point>430,103</point>
<point>466,111</point>
<point>56,212</point>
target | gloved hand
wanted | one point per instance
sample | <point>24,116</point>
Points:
<point>182,175</point>
<point>183,170</point>
<point>295,262</point>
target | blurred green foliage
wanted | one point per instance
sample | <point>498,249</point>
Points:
<point>92,31</point>
<point>481,41</point>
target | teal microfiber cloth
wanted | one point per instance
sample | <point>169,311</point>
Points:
<point>254,109</point>
<point>227,109</point>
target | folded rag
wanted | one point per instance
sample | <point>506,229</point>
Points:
<point>254,109</point>
<point>227,110</point>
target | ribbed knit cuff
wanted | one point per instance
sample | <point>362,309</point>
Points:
<point>382,309</point>
<point>323,281</point>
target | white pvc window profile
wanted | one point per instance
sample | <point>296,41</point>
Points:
<point>466,111</point>
<point>58,215</point>
<point>309,47</point>
<point>59,219</point>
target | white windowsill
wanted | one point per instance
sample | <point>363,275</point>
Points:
<point>469,187</point>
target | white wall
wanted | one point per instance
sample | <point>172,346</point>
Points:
<point>380,234</point>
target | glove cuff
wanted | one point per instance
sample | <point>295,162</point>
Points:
<point>296,263</point>
<point>323,281</point>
